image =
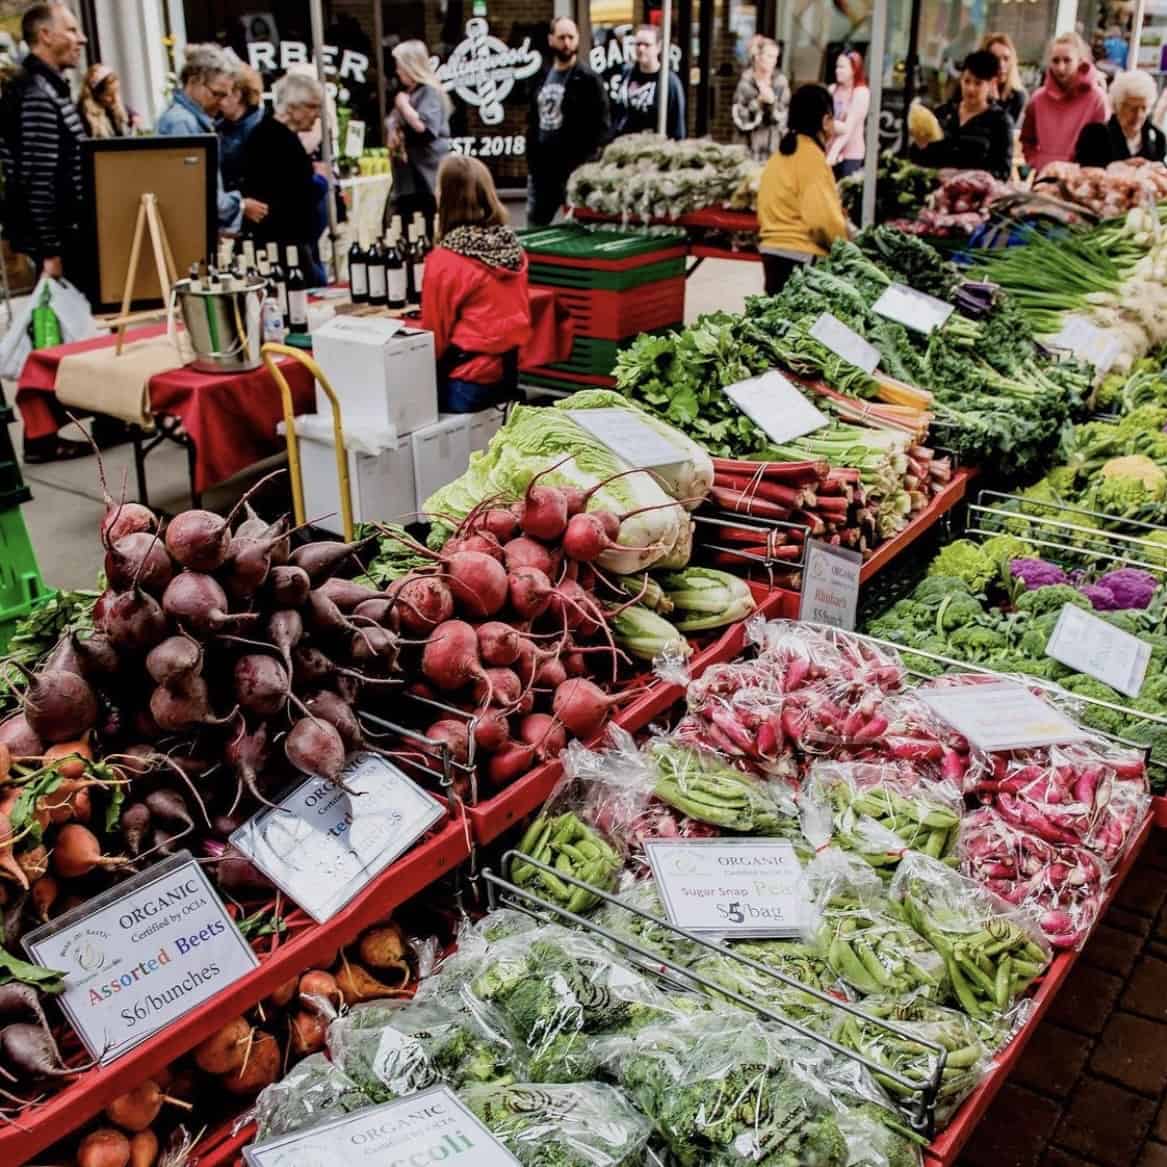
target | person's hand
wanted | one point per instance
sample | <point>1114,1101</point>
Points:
<point>323,169</point>
<point>394,142</point>
<point>254,210</point>
<point>765,92</point>
<point>52,267</point>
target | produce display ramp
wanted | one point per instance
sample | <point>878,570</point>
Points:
<point>39,1126</point>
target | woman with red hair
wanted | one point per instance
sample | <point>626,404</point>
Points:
<point>852,100</point>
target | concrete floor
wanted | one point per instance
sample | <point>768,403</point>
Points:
<point>66,506</point>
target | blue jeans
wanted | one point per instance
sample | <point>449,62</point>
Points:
<point>459,396</point>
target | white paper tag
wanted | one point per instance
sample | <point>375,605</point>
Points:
<point>430,1127</point>
<point>354,139</point>
<point>778,408</point>
<point>845,342</point>
<point>912,309</point>
<point>830,585</point>
<point>1100,346</point>
<point>323,846</point>
<point>1002,716</point>
<point>629,437</point>
<point>140,956</point>
<point>1087,643</point>
<point>733,887</point>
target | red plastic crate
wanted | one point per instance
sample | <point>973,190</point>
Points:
<point>612,315</point>
<point>41,1125</point>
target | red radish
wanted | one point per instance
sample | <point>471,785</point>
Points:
<point>544,508</point>
<point>424,601</point>
<point>76,852</point>
<point>139,556</point>
<point>524,552</point>
<point>491,731</point>
<point>477,582</point>
<point>530,592</point>
<point>481,541</point>
<point>288,586</point>
<point>320,560</point>
<point>550,674</point>
<point>498,644</point>
<point>500,522</point>
<point>583,707</point>
<point>454,735</point>
<point>500,687</point>
<point>315,747</point>
<point>450,657</point>
<point>197,601</point>
<point>542,731</point>
<point>58,706</point>
<point>17,735</point>
<point>509,764</point>
<point>261,684</point>
<point>175,661</point>
<point>135,622</point>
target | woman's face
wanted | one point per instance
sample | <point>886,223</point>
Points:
<point>1004,60</point>
<point>828,130</point>
<point>110,91</point>
<point>975,93</point>
<point>402,76</point>
<point>1131,114</point>
<point>233,107</point>
<point>844,70</point>
<point>302,115</point>
<point>768,60</point>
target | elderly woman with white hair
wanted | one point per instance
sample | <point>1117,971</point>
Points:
<point>1129,132</point>
<point>278,171</point>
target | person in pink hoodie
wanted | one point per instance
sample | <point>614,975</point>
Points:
<point>1070,98</point>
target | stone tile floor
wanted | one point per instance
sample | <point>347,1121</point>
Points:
<point>1091,1086</point>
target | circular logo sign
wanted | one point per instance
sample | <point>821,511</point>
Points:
<point>482,70</point>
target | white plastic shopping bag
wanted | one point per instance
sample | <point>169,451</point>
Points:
<point>73,314</point>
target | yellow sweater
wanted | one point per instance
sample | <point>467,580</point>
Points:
<point>798,202</point>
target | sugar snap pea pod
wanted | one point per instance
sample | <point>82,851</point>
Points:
<point>1003,981</point>
<point>535,834</point>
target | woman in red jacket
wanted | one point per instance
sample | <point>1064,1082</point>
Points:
<point>475,300</point>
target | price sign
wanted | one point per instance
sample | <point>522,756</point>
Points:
<point>430,1127</point>
<point>323,845</point>
<point>845,342</point>
<point>1088,342</point>
<point>1083,642</point>
<point>830,585</point>
<point>354,139</point>
<point>630,437</point>
<point>140,956</point>
<point>1002,716</point>
<point>776,407</point>
<point>912,309</point>
<point>733,887</point>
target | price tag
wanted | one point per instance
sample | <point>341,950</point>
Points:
<point>354,139</point>
<point>1002,716</point>
<point>776,407</point>
<point>323,845</point>
<point>629,436</point>
<point>845,342</point>
<point>830,585</point>
<point>430,1127</point>
<point>912,309</point>
<point>1088,342</point>
<point>733,887</point>
<point>141,955</point>
<point>1088,644</point>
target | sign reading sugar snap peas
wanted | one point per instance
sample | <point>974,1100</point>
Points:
<point>731,887</point>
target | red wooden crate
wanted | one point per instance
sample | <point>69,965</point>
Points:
<point>617,315</point>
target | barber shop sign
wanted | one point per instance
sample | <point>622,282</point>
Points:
<point>482,70</point>
<point>342,67</point>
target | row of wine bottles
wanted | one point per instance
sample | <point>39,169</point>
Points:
<point>286,282</point>
<point>390,273</point>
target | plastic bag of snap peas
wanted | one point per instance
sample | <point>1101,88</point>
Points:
<point>992,951</point>
<point>868,943</point>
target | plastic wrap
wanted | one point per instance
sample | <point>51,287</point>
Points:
<point>992,951</point>
<point>1064,882</point>
<point>805,653</point>
<point>857,929</point>
<point>879,812</point>
<point>312,1091</point>
<point>642,894</point>
<point>583,1125</point>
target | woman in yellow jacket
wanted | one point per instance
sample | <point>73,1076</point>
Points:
<point>799,211</point>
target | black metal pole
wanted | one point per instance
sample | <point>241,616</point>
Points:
<point>912,66</point>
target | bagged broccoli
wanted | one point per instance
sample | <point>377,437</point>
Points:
<point>642,894</point>
<point>311,1092</point>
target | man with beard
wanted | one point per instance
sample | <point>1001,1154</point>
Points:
<point>567,122</point>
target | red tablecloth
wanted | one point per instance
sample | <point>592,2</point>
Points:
<point>231,417</point>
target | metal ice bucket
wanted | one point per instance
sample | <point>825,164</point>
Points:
<point>225,327</point>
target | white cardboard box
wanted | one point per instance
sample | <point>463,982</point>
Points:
<point>380,468</point>
<point>383,373</point>
<point>440,453</point>
<point>483,426</point>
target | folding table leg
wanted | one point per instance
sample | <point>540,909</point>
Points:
<point>192,461</point>
<point>136,436</point>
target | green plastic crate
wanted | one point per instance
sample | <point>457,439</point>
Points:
<point>595,356</point>
<point>21,586</point>
<point>570,242</point>
<point>556,276</point>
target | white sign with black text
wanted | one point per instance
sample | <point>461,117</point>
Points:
<point>830,585</point>
<point>777,407</point>
<point>140,956</point>
<point>845,342</point>
<point>1084,642</point>
<point>1002,715</point>
<point>630,437</point>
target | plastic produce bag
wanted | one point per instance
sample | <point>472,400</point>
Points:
<point>807,653</point>
<point>857,929</point>
<point>74,319</point>
<point>642,894</point>
<point>312,1091</point>
<point>584,1125</point>
<point>992,951</point>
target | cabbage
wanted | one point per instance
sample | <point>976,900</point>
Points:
<point>534,439</point>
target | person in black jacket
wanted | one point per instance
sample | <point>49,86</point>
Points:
<point>277,170</point>
<point>978,134</point>
<point>636,97</point>
<point>566,122</point>
<point>1128,132</point>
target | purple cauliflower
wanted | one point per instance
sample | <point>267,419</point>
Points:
<point>1131,587</point>
<point>1036,573</point>
<point>1101,598</point>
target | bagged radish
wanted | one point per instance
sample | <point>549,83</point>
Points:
<point>992,951</point>
<point>806,653</point>
<point>856,928</point>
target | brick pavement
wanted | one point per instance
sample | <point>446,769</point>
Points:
<point>1090,1090</point>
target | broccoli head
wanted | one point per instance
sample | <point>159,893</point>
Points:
<point>1106,720</point>
<point>1123,497</point>
<point>977,644</point>
<point>957,611</point>
<point>967,561</point>
<point>935,589</point>
<point>1051,599</point>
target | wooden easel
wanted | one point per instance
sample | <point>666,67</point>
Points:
<point>149,219</point>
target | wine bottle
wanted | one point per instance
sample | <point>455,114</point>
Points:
<point>297,319</point>
<point>247,260</point>
<point>358,272</point>
<point>279,278</point>
<point>420,251</point>
<point>378,289</point>
<point>395,267</point>
<point>193,282</point>
<point>407,251</point>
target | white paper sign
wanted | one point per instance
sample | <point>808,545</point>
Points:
<point>733,887</point>
<point>636,441</point>
<point>427,1128</point>
<point>845,342</point>
<point>323,845</point>
<point>354,139</point>
<point>142,955</point>
<point>1002,716</point>
<point>1100,346</point>
<point>1084,642</point>
<point>830,585</point>
<point>778,408</point>
<point>912,309</point>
